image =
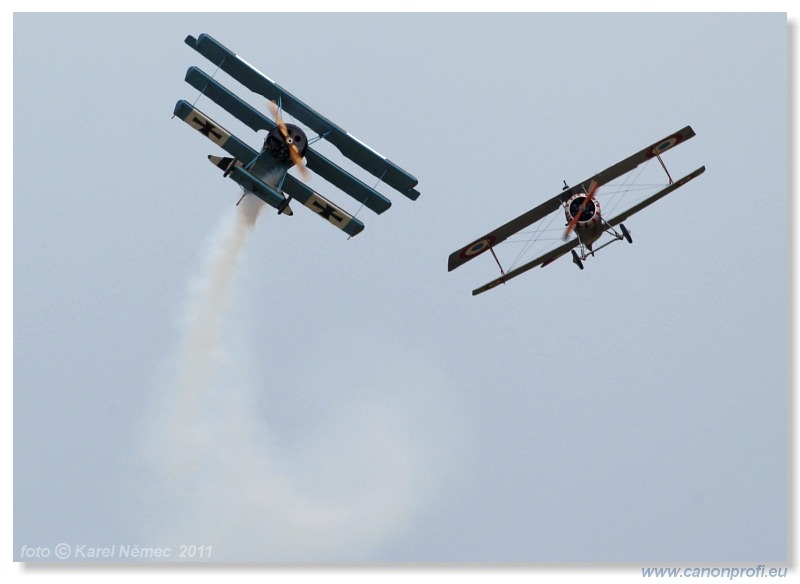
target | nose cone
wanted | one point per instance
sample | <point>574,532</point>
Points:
<point>284,137</point>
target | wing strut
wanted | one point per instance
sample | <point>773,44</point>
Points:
<point>494,255</point>
<point>664,166</point>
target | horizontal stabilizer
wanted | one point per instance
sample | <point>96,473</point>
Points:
<point>223,163</point>
<point>352,148</point>
<point>227,164</point>
<point>258,187</point>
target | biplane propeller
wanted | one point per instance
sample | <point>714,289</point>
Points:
<point>265,172</point>
<point>582,208</point>
<point>293,142</point>
<point>583,216</point>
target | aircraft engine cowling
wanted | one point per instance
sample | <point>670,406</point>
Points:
<point>589,217</point>
<point>278,145</point>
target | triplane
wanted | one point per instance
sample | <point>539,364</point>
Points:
<point>264,173</point>
<point>583,217</point>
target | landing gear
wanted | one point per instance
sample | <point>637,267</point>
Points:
<point>229,168</point>
<point>586,246</point>
<point>625,233</point>
<point>576,259</point>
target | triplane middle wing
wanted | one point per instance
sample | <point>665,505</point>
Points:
<point>582,213</point>
<point>264,173</point>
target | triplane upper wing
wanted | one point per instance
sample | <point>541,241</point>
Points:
<point>264,173</point>
<point>581,210</point>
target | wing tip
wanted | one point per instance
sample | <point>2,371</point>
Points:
<point>489,286</point>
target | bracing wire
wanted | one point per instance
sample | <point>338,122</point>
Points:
<point>628,185</point>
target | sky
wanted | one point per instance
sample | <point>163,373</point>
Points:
<point>188,373</point>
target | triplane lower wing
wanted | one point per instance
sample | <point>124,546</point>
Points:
<point>583,216</point>
<point>264,172</point>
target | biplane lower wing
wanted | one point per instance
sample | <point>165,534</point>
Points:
<point>364,156</point>
<point>255,120</point>
<point>652,199</point>
<point>550,256</point>
<point>556,253</point>
<point>214,132</point>
<point>332,213</point>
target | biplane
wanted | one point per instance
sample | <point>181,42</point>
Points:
<point>265,172</point>
<point>585,224</point>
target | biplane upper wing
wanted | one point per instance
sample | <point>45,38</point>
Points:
<point>255,120</point>
<point>631,162</point>
<point>482,244</point>
<point>364,156</point>
<point>556,253</point>
<point>502,233</point>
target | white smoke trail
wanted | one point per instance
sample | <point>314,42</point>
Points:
<point>212,471</point>
<point>202,352</point>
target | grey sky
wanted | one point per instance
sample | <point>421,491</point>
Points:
<point>632,412</point>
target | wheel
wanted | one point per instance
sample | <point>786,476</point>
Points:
<point>576,260</point>
<point>229,169</point>
<point>625,233</point>
<point>283,208</point>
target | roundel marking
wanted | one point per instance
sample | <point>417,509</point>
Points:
<point>665,144</point>
<point>477,247</point>
<point>495,284</point>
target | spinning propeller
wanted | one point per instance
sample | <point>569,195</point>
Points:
<point>294,151</point>
<point>586,200</point>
